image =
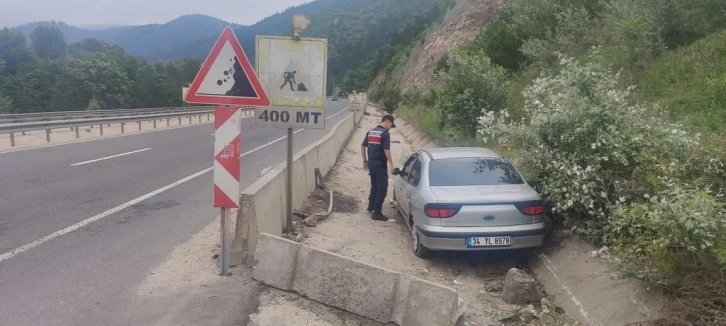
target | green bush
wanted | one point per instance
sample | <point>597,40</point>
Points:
<point>442,65</point>
<point>390,99</point>
<point>680,218</point>
<point>471,85</point>
<point>93,105</point>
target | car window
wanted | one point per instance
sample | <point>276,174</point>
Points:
<point>415,175</point>
<point>409,164</point>
<point>472,171</point>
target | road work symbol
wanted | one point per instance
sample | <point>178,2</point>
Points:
<point>289,77</point>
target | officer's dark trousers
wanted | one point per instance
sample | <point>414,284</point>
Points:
<point>379,186</point>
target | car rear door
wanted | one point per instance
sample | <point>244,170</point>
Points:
<point>402,195</point>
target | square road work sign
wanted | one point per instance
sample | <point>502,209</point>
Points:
<point>293,73</point>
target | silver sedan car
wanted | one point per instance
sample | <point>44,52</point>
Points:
<point>467,199</point>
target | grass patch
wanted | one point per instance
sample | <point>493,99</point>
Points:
<point>690,83</point>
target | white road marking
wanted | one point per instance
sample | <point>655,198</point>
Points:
<point>121,207</point>
<point>98,217</point>
<point>112,156</point>
<point>268,144</point>
<point>339,112</point>
<point>546,261</point>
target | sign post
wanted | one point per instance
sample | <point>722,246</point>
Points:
<point>227,79</point>
<point>294,71</point>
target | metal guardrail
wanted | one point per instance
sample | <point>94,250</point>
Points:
<point>69,115</point>
<point>13,128</point>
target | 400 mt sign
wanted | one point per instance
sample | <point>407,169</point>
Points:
<point>290,117</point>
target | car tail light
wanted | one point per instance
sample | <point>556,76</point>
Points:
<point>535,207</point>
<point>441,210</point>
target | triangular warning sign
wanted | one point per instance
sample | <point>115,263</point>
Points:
<point>226,77</point>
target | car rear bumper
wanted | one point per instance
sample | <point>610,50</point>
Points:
<point>454,238</point>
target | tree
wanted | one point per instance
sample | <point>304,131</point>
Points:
<point>13,51</point>
<point>6,104</point>
<point>96,77</point>
<point>48,42</point>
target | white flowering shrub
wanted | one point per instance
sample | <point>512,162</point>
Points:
<point>606,163</point>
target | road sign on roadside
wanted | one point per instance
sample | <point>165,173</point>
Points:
<point>294,72</point>
<point>227,77</point>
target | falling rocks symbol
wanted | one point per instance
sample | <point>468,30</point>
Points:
<point>242,86</point>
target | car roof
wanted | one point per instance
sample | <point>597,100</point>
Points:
<point>455,152</point>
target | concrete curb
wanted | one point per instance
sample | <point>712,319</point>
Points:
<point>366,290</point>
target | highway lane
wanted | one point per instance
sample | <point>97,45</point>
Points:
<point>87,276</point>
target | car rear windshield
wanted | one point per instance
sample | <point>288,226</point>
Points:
<point>472,171</point>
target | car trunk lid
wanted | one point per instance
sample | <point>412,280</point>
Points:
<point>491,205</point>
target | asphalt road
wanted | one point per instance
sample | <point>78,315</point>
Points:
<point>134,210</point>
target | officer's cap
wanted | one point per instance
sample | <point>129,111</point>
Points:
<point>389,118</point>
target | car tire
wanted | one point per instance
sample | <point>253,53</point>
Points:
<point>419,250</point>
<point>549,226</point>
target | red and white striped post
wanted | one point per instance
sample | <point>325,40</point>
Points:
<point>227,137</point>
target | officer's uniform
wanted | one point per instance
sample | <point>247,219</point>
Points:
<point>377,140</point>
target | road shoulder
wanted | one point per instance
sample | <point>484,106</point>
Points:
<point>349,231</point>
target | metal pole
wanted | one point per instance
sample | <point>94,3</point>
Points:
<point>289,183</point>
<point>100,127</point>
<point>77,135</point>
<point>47,135</point>
<point>139,125</point>
<point>12,139</point>
<point>190,119</point>
<point>207,116</point>
<point>167,121</point>
<point>224,255</point>
<point>154,123</point>
<point>122,127</point>
<point>200,118</point>
<point>180,121</point>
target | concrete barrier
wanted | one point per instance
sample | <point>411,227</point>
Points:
<point>262,204</point>
<point>370,291</point>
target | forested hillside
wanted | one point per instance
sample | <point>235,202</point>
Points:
<point>616,109</point>
<point>73,34</point>
<point>45,73</point>
<point>361,34</point>
<point>152,42</point>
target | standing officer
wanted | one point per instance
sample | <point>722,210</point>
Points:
<point>378,143</point>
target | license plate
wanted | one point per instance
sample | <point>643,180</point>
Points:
<point>488,241</point>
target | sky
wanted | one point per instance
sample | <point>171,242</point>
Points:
<point>136,12</point>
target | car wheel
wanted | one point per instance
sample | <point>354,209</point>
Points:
<point>419,250</point>
<point>549,226</point>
